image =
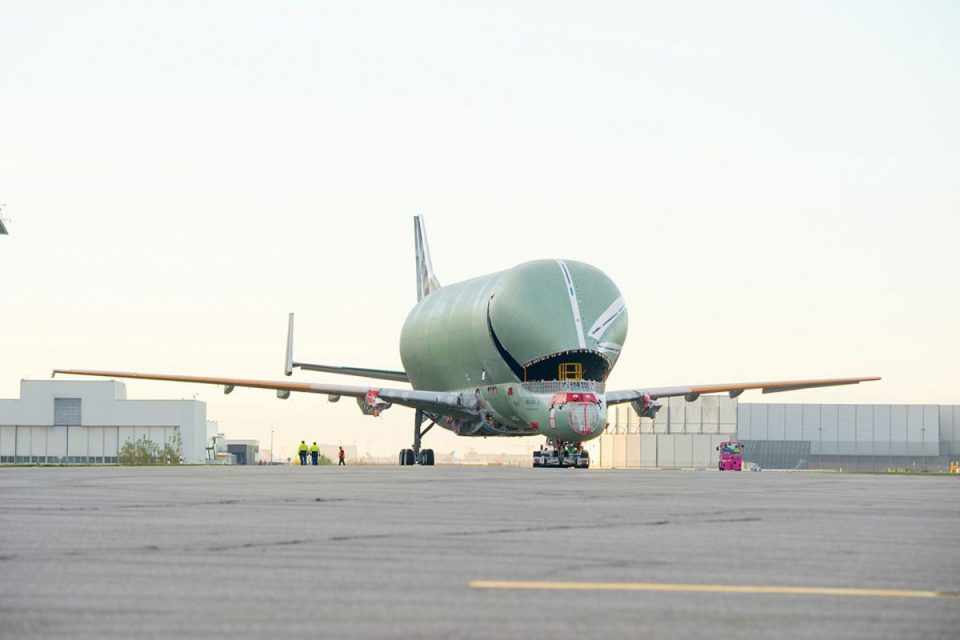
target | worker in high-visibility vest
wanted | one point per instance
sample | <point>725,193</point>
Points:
<point>314,453</point>
<point>302,450</point>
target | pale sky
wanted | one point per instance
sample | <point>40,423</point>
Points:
<point>773,186</point>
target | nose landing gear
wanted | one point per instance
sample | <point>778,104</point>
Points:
<point>416,455</point>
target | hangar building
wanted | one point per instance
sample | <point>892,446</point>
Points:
<point>87,422</point>
<point>684,434</point>
<point>857,437</point>
<point>785,436</point>
<point>244,451</point>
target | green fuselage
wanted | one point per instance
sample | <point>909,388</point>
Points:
<point>533,344</point>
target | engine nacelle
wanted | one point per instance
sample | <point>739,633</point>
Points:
<point>371,404</point>
<point>646,407</point>
<point>333,397</point>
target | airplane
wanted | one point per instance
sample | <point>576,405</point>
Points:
<point>520,352</point>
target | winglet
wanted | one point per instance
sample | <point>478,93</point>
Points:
<point>426,280</point>
<point>288,363</point>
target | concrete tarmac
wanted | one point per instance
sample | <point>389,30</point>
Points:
<point>390,552</point>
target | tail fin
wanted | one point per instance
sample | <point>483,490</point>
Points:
<point>288,361</point>
<point>426,280</point>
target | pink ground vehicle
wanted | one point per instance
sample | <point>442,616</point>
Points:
<point>731,456</point>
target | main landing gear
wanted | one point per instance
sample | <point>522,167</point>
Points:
<point>416,455</point>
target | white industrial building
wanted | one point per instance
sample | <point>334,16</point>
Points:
<point>684,434</point>
<point>865,437</point>
<point>88,421</point>
<point>787,436</point>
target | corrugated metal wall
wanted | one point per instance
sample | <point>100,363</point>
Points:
<point>846,430</point>
<point>83,445</point>
<point>685,434</point>
<point>950,430</point>
<point>856,437</point>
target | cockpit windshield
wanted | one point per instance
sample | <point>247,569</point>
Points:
<point>732,447</point>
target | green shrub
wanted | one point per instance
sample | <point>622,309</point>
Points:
<point>144,451</point>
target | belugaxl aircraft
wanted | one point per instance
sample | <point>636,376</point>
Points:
<point>520,352</point>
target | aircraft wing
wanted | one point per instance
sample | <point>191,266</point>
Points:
<point>735,389</point>
<point>371,399</point>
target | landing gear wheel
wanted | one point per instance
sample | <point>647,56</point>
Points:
<point>583,460</point>
<point>416,455</point>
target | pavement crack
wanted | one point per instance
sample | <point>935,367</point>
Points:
<point>257,545</point>
<point>559,527</point>
<point>372,536</point>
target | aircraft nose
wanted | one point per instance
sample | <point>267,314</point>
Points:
<point>583,418</point>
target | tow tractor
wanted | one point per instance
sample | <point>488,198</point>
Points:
<point>561,455</point>
<point>731,456</point>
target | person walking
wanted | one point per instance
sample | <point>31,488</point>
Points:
<point>302,450</point>
<point>341,455</point>
<point>314,453</point>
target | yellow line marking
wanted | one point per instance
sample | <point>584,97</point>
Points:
<point>707,588</point>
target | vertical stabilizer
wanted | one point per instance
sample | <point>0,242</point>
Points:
<point>288,361</point>
<point>426,280</point>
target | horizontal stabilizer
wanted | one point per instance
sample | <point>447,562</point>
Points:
<point>377,374</point>
<point>290,364</point>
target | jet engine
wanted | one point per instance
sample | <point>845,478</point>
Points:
<point>371,404</point>
<point>646,407</point>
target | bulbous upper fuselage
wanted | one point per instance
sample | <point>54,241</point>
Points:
<point>549,321</point>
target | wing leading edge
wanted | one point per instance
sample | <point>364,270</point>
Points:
<point>370,398</point>
<point>734,389</point>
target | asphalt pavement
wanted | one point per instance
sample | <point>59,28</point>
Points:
<point>474,552</point>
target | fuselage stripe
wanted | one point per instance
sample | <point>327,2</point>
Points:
<point>606,318</point>
<point>574,304</point>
